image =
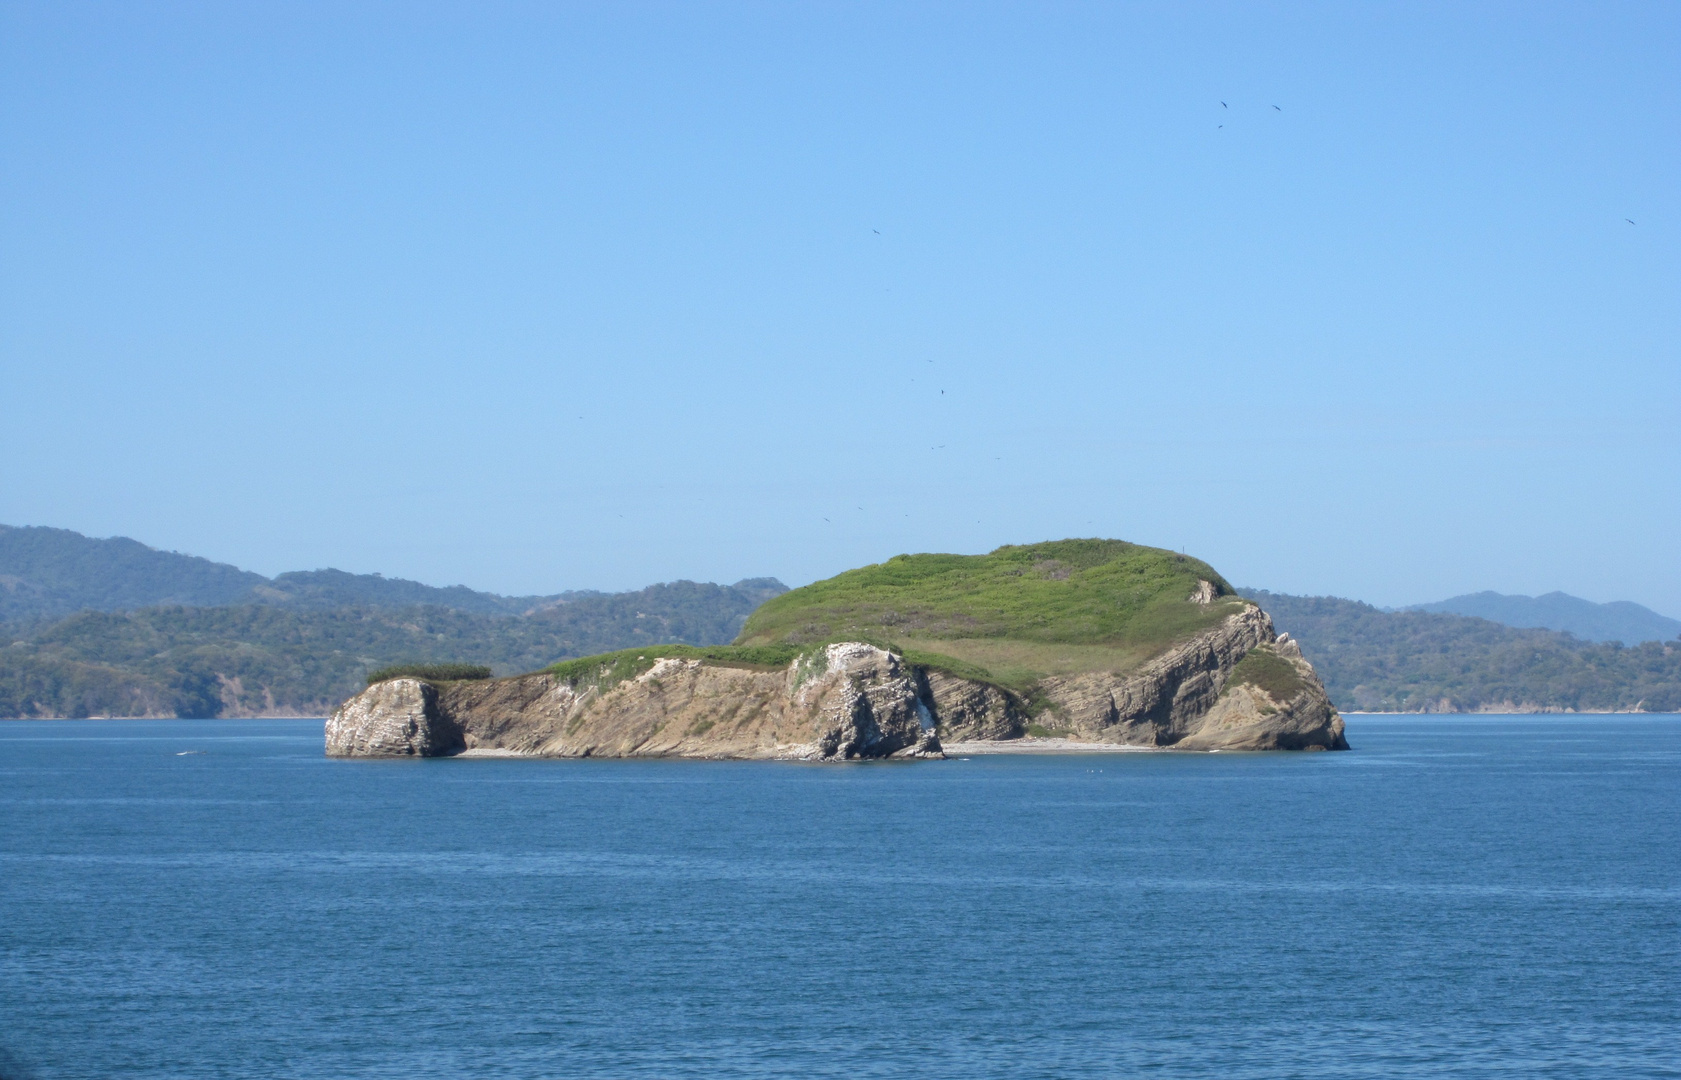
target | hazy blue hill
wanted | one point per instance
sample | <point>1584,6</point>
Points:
<point>48,572</point>
<point>53,572</point>
<point>1428,661</point>
<point>337,588</point>
<point>1620,620</point>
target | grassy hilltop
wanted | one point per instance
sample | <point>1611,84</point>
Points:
<point>1011,616</point>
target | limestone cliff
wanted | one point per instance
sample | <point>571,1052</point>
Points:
<point>1234,686</point>
<point>1195,696</point>
<point>845,701</point>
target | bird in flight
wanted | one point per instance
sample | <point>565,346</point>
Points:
<point>1223,105</point>
<point>1278,109</point>
<point>1629,220</point>
<point>876,231</point>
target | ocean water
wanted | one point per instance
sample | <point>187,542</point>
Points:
<point>1457,896</point>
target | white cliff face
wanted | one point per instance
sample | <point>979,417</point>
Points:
<point>397,718</point>
<point>850,701</point>
<point>863,703</point>
<point>871,706</point>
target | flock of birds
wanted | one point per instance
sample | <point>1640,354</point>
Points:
<point>1223,105</point>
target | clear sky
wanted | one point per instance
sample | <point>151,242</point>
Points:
<point>1344,298</point>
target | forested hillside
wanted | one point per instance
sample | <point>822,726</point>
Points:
<point>256,659</point>
<point>1417,661</point>
<point>47,572</point>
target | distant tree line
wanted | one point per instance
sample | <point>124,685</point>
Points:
<point>254,659</point>
<point>259,659</point>
<point>1417,661</point>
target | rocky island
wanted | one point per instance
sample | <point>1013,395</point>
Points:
<point>1090,641</point>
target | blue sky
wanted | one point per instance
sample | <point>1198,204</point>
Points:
<point>1340,297</point>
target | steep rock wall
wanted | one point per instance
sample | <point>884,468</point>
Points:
<point>397,718</point>
<point>1176,699</point>
<point>852,701</point>
<point>1251,717</point>
<point>964,709</point>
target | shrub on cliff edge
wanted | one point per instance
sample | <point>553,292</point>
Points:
<point>440,672</point>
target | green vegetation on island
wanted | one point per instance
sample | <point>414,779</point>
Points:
<point>1266,670</point>
<point>1009,617</point>
<point>1012,616</point>
<point>433,672</point>
<point>606,670</point>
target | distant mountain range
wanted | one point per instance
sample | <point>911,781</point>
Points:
<point>273,660</point>
<point>116,628</point>
<point>1620,620</point>
<point>1421,661</point>
<point>48,572</point>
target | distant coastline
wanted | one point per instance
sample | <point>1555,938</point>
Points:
<point>1508,712</point>
<point>115,629</point>
<point>277,716</point>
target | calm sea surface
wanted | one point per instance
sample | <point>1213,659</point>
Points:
<point>1458,896</point>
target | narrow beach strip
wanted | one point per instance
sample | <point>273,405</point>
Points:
<point>1034,745</point>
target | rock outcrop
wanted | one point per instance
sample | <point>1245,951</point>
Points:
<point>1235,686</point>
<point>1268,716</point>
<point>398,718</point>
<point>1187,697</point>
<point>842,702</point>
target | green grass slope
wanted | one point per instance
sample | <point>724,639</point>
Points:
<point>1011,616</point>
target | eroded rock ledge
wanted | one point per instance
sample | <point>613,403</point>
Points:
<point>1237,686</point>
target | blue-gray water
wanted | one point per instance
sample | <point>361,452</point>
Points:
<point>1456,897</point>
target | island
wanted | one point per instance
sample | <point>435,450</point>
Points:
<point>1096,643</point>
